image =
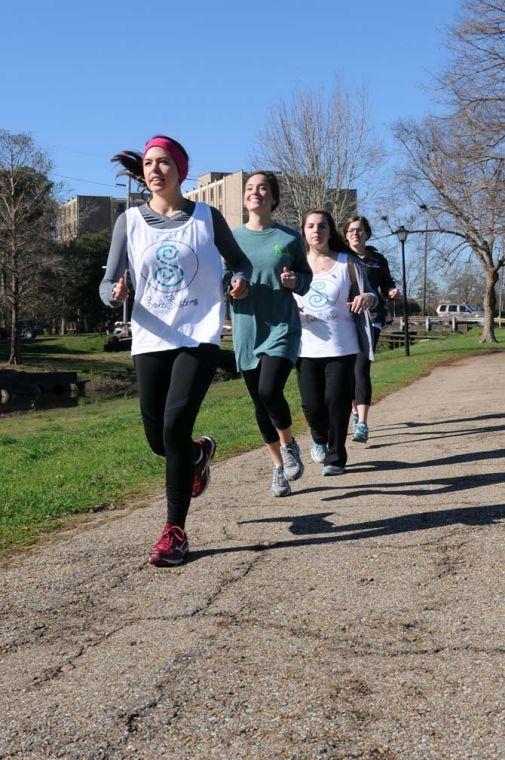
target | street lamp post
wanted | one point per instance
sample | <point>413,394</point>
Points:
<point>425,270</point>
<point>500,297</point>
<point>424,207</point>
<point>402,235</point>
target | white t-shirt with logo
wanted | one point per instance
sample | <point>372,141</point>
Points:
<point>328,326</point>
<point>177,277</point>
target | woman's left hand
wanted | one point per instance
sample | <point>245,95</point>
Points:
<point>288,279</point>
<point>239,289</point>
<point>358,304</point>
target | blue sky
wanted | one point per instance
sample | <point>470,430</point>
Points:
<point>87,79</point>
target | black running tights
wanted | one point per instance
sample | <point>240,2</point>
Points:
<point>362,383</point>
<point>172,385</point>
<point>266,384</point>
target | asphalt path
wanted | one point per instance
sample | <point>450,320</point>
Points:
<point>361,617</point>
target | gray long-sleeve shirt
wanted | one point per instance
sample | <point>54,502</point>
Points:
<point>117,260</point>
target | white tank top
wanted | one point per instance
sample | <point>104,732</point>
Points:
<point>328,327</point>
<point>177,277</point>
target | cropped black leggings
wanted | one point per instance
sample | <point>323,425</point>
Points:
<point>362,393</point>
<point>266,384</point>
<point>172,385</point>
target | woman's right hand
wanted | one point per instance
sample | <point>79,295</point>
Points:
<point>358,304</point>
<point>120,290</point>
<point>239,288</point>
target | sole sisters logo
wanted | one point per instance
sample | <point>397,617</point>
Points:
<point>317,297</point>
<point>169,266</point>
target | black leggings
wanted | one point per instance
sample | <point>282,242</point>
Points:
<point>172,385</point>
<point>362,393</point>
<point>326,390</point>
<point>266,384</point>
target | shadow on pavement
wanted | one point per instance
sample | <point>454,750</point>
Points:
<point>495,416</point>
<point>391,464</point>
<point>438,436</point>
<point>433,486</point>
<point>301,525</point>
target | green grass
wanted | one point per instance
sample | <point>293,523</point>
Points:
<point>61,462</point>
<point>80,353</point>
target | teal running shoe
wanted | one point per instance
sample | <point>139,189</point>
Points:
<point>361,433</point>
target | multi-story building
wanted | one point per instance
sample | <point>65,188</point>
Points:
<point>225,191</point>
<point>91,213</point>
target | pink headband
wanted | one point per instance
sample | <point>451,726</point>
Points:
<point>170,146</point>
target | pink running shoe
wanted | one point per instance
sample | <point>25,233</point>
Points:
<point>172,547</point>
<point>201,478</point>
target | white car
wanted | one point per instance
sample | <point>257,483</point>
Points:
<point>122,328</point>
<point>462,311</point>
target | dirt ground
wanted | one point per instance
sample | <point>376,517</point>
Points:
<point>362,617</point>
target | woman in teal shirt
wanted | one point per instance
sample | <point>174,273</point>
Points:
<point>266,324</point>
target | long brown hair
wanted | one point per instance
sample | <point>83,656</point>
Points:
<point>336,242</point>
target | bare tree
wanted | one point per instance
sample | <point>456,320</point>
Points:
<point>323,147</point>
<point>465,199</point>
<point>26,220</point>
<point>474,81</point>
<point>465,285</point>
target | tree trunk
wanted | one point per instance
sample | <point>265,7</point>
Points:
<point>488,335</point>
<point>63,326</point>
<point>14,356</point>
<point>3,298</point>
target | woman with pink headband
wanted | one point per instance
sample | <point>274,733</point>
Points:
<point>172,248</point>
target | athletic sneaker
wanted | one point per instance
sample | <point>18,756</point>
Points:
<point>172,547</point>
<point>280,486</point>
<point>331,469</point>
<point>293,465</point>
<point>361,433</point>
<point>318,452</point>
<point>201,478</point>
<point>355,421</point>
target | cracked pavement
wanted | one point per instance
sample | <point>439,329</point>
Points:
<point>361,617</point>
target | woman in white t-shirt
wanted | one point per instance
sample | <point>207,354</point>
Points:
<point>172,250</point>
<point>333,329</point>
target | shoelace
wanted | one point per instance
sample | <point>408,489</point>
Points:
<point>171,534</point>
<point>278,478</point>
<point>290,455</point>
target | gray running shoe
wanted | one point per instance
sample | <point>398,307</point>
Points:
<point>293,465</point>
<point>280,486</point>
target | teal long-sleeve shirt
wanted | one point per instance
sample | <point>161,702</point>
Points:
<point>267,321</point>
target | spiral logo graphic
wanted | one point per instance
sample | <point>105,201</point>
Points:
<point>317,299</point>
<point>170,273</point>
<point>169,266</point>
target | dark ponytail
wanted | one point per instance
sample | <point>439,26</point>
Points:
<point>131,161</point>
